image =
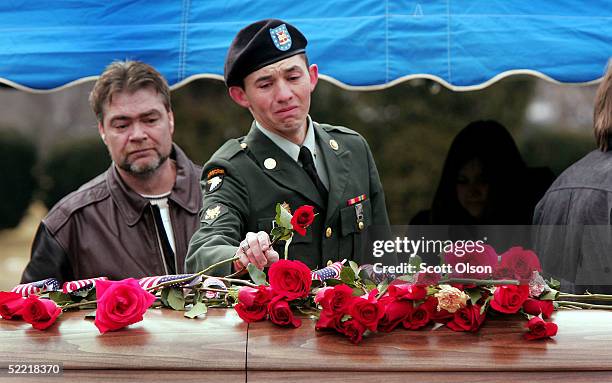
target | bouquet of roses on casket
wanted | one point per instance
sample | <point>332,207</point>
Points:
<point>344,297</point>
<point>354,301</point>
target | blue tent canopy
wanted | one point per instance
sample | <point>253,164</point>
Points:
<point>47,44</point>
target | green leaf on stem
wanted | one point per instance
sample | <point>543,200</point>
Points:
<point>415,261</point>
<point>197,309</point>
<point>333,282</point>
<point>554,284</point>
<point>382,285</point>
<point>175,298</point>
<point>60,298</point>
<point>280,233</point>
<point>283,217</point>
<point>347,275</point>
<point>257,276</point>
<point>355,268</point>
<point>164,297</point>
<point>551,295</point>
<point>475,295</point>
<point>406,278</point>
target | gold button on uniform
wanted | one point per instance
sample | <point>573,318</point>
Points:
<point>360,225</point>
<point>243,145</point>
<point>328,232</point>
<point>333,144</point>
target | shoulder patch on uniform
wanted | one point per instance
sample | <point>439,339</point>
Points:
<point>213,212</point>
<point>214,180</point>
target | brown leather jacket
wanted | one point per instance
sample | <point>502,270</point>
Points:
<point>106,229</point>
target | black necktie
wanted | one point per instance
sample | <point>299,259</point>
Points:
<point>305,158</point>
<point>166,248</point>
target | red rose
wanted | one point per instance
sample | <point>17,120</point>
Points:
<point>290,279</point>
<point>302,218</point>
<point>537,307</point>
<point>468,318</point>
<point>255,296</point>
<point>336,299</point>
<point>486,257</point>
<point>438,316</point>
<point>395,312</point>
<point>10,305</point>
<point>419,317</point>
<point>252,313</point>
<point>281,314</point>
<point>253,303</point>
<point>367,311</point>
<point>120,304</point>
<point>353,330</point>
<point>539,329</point>
<point>522,263</point>
<point>509,299</point>
<point>328,319</point>
<point>407,291</point>
<point>40,313</point>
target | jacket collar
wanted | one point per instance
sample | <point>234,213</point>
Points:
<point>132,205</point>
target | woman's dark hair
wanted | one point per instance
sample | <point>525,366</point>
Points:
<point>503,169</point>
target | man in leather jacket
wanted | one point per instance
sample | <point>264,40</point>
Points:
<point>136,218</point>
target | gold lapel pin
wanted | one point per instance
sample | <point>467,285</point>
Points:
<point>270,163</point>
<point>333,144</point>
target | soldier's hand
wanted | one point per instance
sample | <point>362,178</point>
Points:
<point>256,249</point>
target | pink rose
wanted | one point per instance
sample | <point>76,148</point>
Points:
<point>521,263</point>
<point>10,305</point>
<point>40,313</point>
<point>486,257</point>
<point>120,304</point>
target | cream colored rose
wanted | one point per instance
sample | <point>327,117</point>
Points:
<point>451,298</point>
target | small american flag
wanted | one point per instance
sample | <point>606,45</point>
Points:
<point>49,284</point>
<point>148,282</point>
<point>215,283</point>
<point>81,285</point>
<point>330,272</point>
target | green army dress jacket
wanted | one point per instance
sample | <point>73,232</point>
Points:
<point>245,179</point>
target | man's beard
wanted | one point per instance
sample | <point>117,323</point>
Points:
<point>145,170</point>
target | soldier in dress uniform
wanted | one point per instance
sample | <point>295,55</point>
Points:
<point>285,157</point>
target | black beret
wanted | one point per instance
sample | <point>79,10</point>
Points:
<point>259,44</point>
